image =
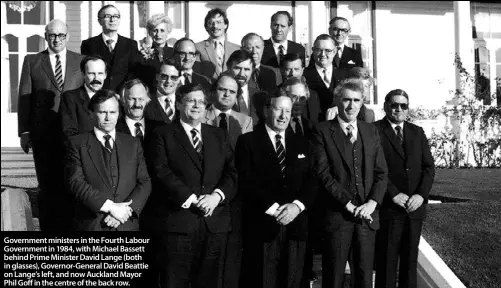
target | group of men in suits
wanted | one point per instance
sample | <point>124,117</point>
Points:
<point>159,148</point>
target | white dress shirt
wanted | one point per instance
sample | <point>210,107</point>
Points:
<point>340,51</point>
<point>320,71</point>
<point>344,124</point>
<point>217,112</point>
<point>62,59</point>
<point>114,38</point>
<point>190,72</point>
<point>245,94</point>
<point>100,137</point>
<point>132,125</point>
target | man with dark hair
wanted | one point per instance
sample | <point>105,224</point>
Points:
<point>44,77</point>
<point>75,115</point>
<point>120,53</point>
<point>185,54</point>
<point>346,57</point>
<point>349,161</point>
<point>277,186</point>
<point>277,46</point>
<point>194,179</point>
<point>411,172</point>
<point>265,77</point>
<point>106,172</point>
<point>215,51</point>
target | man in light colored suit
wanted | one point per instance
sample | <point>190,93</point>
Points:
<point>44,77</point>
<point>215,51</point>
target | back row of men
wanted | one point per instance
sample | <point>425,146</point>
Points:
<point>197,214</point>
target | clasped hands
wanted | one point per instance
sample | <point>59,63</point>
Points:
<point>118,214</point>
<point>410,204</point>
<point>207,203</point>
<point>363,211</point>
<point>286,213</point>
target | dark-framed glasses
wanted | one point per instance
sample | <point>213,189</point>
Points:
<point>54,36</point>
<point>344,31</point>
<point>186,54</point>
<point>319,50</point>
<point>110,17</point>
<point>403,106</point>
<point>299,98</point>
<point>166,77</point>
<point>192,102</point>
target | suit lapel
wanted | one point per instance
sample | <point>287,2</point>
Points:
<point>47,67</point>
<point>269,153</point>
<point>72,65</point>
<point>291,149</point>
<point>210,117</point>
<point>337,137</point>
<point>180,134</point>
<point>211,53</point>
<point>96,154</point>
<point>123,152</point>
<point>210,148</point>
<point>84,100</point>
<point>392,137</point>
<point>268,49</point>
<point>409,136</point>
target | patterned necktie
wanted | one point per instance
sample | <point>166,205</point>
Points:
<point>280,153</point>
<point>242,106</point>
<point>109,43</point>
<point>400,137</point>
<point>350,135</point>
<point>326,79</point>
<point>59,73</point>
<point>168,108</point>
<point>220,56</point>
<point>197,144</point>
<point>222,122</point>
<point>107,144</point>
<point>139,133</point>
<point>338,56</point>
<point>299,129</point>
<point>159,52</point>
<point>255,76</point>
<point>281,54</point>
<point>187,78</point>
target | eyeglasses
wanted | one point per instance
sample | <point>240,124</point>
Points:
<point>344,31</point>
<point>395,105</point>
<point>319,51</point>
<point>54,36</point>
<point>192,102</point>
<point>299,98</point>
<point>185,55</point>
<point>166,77</point>
<point>110,17</point>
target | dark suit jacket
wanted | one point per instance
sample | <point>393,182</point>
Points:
<point>307,127</point>
<point>270,57</point>
<point>147,69</point>
<point>90,183</point>
<point>350,55</point>
<point>411,169</point>
<point>269,78</point>
<point>75,114</point>
<point>149,126</point>
<point>238,123</point>
<point>39,94</point>
<point>312,108</point>
<point>153,111</point>
<point>329,162</point>
<point>325,95</point>
<point>256,103</point>
<point>203,80</point>
<point>121,62</point>
<point>261,183</point>
<point>208,58</point>
<point>177,173</point>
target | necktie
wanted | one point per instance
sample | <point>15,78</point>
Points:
<point>326,79</point>
<point>400,137</point>
<point>107,144</point>
<point>350,135</point>
<point>222,122</point>
<point>59,73</point>
<point>168,108</point>
<point>139,133</point>
<point>255,77</point>
<point>280,153</point>
<point>299,129</point>
<point>197,144</point>
<point>220,56</point>
<point>337,57</point>
<point>109,43</point>
<point>242,106</point>
<point>187,78</point>
<point>281,54</point>
<point>159,52</point>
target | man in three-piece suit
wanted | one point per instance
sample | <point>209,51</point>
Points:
<point>346,57</point>
<point>162,106</point>
<point>194,179</point>
<point>411,172</point>
<point>277,186</point>
<point>277,46</point>
<point>349,161</point>
<point>265,77</point>
<point>120,53</point>
<point>75,114</point>
<point>44,77</point>
<point>106,172</point>
<point>185,54</point>
<point>323,77</point>
<point>214,51</point>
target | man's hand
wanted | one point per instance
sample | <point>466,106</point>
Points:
<point>365,210</point>
<point>331,113</point>
<point>288,212</point>
<point>208,203</point>
<point>350,207</point>
<point>111,221</point>
<point>401,199</point>
<point>414,203</point>
<point>121,211</point>
<point>26,142</point>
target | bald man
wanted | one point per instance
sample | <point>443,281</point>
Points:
<point>44,77</point>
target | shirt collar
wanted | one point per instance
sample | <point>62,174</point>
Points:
<point>131,122</point>
<point>61,54</point>
<point>342,47</point>
<point>217,111</point>
<point>276,45</point>
<point>344,124</point>
<point>115,38</point>
<point>99,134</point>
<point>272,134</point>
<point>393,125</point>
<point>220,41</point>
<point>189,71</point>
<point>187,127</point>
<point>89,92</point>
<point>321,70</point>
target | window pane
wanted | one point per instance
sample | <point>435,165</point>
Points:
<point>13,42</point>
<point>498,58</point>
<point>14,81</point>
<point>173,9</point>
<point>34,16</point>
<point>35,44</point>
<point>13,17</point>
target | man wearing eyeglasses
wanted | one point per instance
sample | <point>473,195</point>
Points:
<point>297,89</point>
<point>120,53</point>
<point>214,51</point>
<point>411,173</point>
<point>44,77</point>
<point>185,54</point>
<point>194,179</point>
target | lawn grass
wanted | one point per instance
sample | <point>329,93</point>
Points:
<point>467,235</point>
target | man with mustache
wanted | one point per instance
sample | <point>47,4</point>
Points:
<point>75,113</point>
<point>277,46</point>
<point>214,51</point>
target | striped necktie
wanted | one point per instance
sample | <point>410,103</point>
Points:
<point>337,57</point>
<point>349,130</point>
<point>281,54</point>
<point>280,153</point>
<point>59,73</point>
<point>197,144</point>
<point>168,109</point>
<point>109,43</point>
<point>107,144</point>
<point>139,132</point>
<point>400,137</point>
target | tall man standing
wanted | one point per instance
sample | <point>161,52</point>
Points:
<point>215,51</point>
<point>120,53</point>
<point>44,77</point>
<point>349,161</point>
<point>277,46</point>
<point>194,179</point>
<point>411,172</point>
